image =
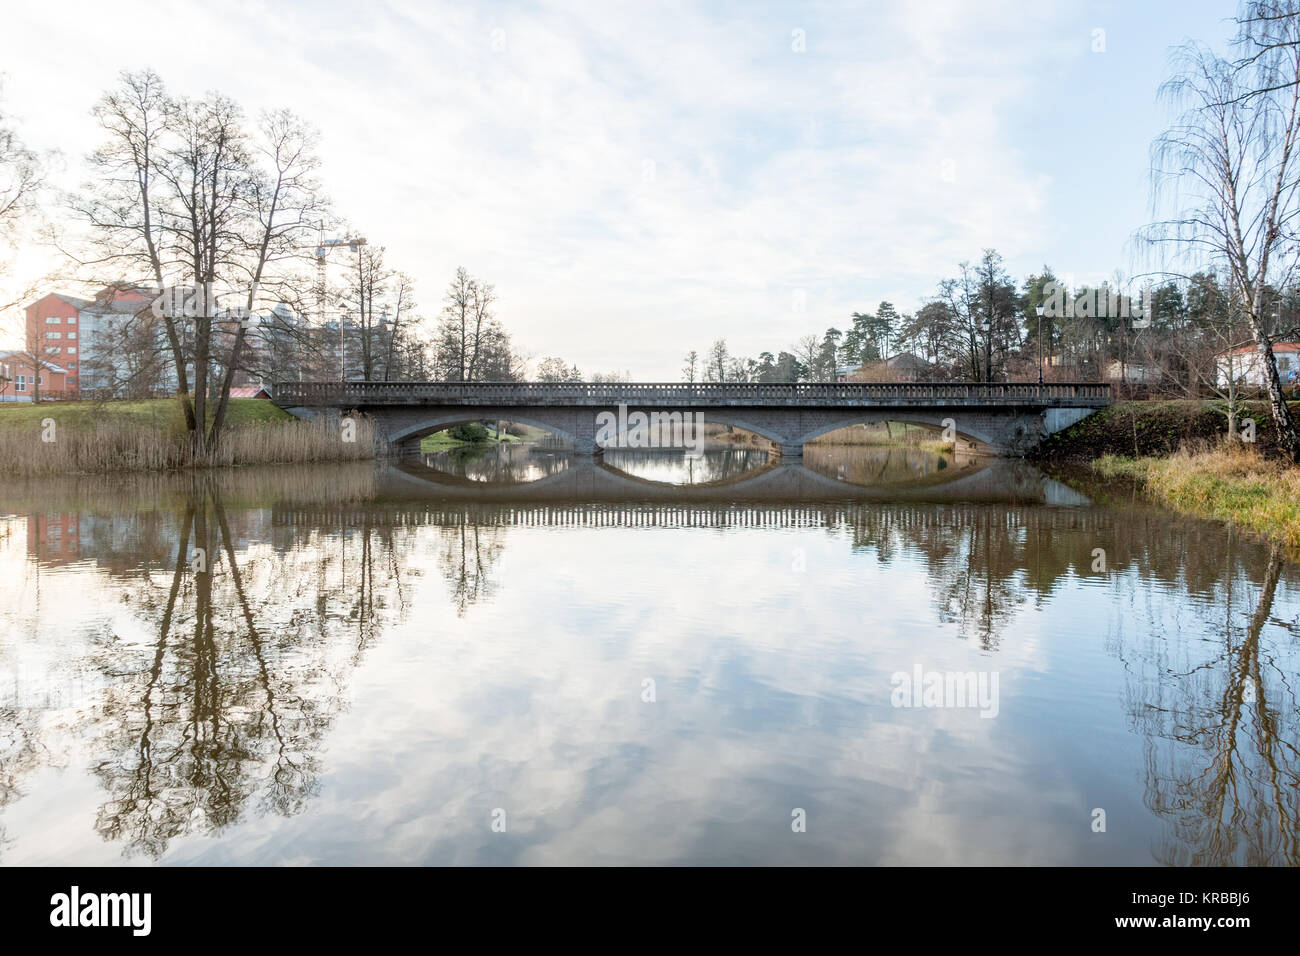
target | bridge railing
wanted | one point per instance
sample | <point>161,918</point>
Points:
<point>748,393</point>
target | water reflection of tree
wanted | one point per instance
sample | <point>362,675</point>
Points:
<point>1218,715</point>
<point>718,464</point>
<point>468,552</point>
<point>870,465</point>
<point>23,751</point>
<point>977,560</point>
<point>1222,767</point>
<point>984,561</point>
<point>228,710</point>
<point>498,464</point>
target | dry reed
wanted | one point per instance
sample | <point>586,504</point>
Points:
<point>116,445</point>
<point>1229,482</point>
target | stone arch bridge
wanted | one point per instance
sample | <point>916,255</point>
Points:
<point>1000,418</point>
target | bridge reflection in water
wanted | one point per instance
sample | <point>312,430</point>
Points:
<point>513,474</point>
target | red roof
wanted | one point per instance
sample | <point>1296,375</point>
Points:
<point>1277,347</point>
<point>249,391</point>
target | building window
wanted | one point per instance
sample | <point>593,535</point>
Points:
<point>20,383</point>
<point>54,335</point>
<point>52,320</point>
<point>72,320</point>
<point>72,335</point>
<point>72,350</point>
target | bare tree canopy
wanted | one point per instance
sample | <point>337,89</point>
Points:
<point>186,196</point>
<point>471,344</point>
<point>21,179</point>
<point>1226,176</point>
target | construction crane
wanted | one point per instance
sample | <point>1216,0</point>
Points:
<point>322,249</point>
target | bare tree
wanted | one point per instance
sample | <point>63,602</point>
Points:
<point>21,179</point>
<point>283,202</point>
<point>472,345</point>
<point>1229,168</point>
<point>485,327</point>
<point>403,294</point>
<point>122,208</point>
<point>183,195</point>
<point>454,328</point>
<point>127,360</point>
<point>960,295</point>
<point>715,370</point>
<point>807,352</point>
<point>554,369</point>
<point>370,292</point>
<point>692,362</point>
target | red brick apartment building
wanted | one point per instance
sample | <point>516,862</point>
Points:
<point>18,381</point>
<point>61,329</point>
<point>54,539</point>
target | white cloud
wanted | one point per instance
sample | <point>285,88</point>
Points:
<point>522,154</point>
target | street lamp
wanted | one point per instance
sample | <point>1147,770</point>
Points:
<point>1040,346</point>
<point>343,345</point>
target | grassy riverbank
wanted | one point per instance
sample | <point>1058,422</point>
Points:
<point>1177,454</point>
<point>443,441</point>
<point>99,437</point>
<point>1228,483</point>
<point>156,412</point>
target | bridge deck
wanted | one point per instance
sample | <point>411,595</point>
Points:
<point>703,394</point>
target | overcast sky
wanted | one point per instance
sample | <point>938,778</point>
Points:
<point>639,179</point>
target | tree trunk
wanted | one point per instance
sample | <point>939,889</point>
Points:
<point>223,397</point>
<point>1287,438</point>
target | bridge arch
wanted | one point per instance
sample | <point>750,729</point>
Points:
<point>712,416</point>
<point>721,416</point>
<point>463,416</point>
<point>972,433</point>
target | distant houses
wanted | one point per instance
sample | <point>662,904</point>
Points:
<point>250,391</point>
<point>1131,373</point>
<point>902,367</point>
<point>80,334</point>
<point>114,345</point>
<point>909,367</point>
<point>19,381</point>
<point>1244,364</point>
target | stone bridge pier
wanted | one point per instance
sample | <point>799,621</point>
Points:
<point>993,418</point>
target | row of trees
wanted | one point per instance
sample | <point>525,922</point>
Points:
<point>980,325</point>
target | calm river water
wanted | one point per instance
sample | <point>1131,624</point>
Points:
<point>875,656</point>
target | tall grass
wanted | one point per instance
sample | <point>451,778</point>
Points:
<point>115,445</point>
<point>1229,482</point>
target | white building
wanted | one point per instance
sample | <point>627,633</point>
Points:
<point>1245,364</point>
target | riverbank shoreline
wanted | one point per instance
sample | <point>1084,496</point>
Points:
<point>1178,455</point>
<point>97,438</point>
<point>1229,483</point>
